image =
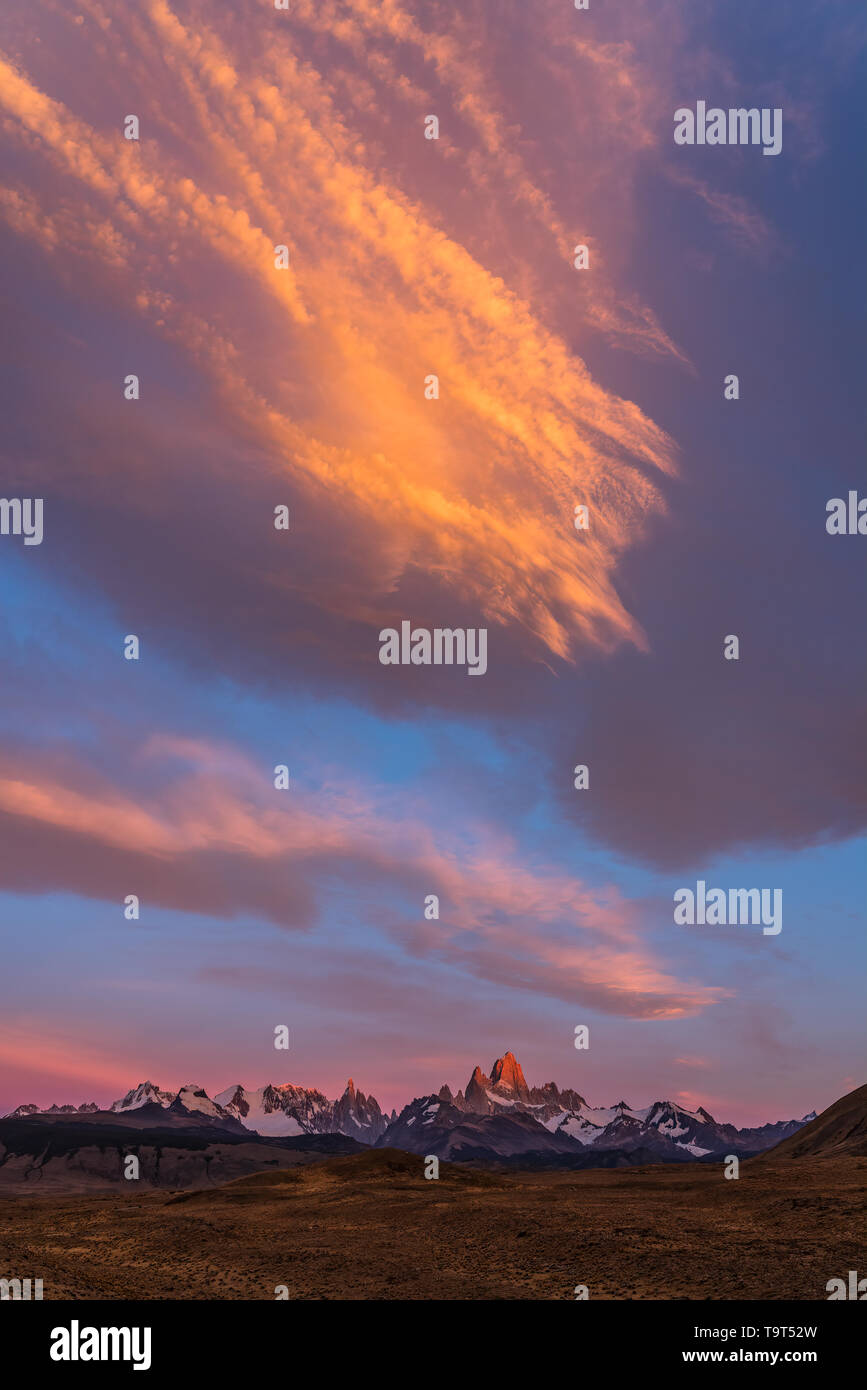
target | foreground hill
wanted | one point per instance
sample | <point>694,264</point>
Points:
<point>839,1131</point>
<point>378,1169</point>
<point>89,1152</point>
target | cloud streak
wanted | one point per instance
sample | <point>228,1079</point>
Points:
<point>206,837</point>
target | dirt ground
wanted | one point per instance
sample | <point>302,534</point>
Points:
<point>372,1227</point>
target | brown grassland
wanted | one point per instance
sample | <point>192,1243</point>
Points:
<point>372,1227</point>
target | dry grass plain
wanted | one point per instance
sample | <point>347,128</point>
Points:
<point>371,1227</point>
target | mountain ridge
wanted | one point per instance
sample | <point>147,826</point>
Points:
<point>543,1120</point>
<point>839,1131</point>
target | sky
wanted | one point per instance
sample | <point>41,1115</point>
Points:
<point>304,386</point>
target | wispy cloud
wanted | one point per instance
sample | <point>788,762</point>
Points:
<point>324,363</point>
<point>208,836</point>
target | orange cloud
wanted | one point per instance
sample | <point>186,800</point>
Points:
<point>323,364</point>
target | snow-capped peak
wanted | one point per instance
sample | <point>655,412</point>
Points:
<point>194,1097</point>
<point>145,1093</point>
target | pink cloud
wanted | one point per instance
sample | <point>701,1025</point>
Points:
<point>215,836</point>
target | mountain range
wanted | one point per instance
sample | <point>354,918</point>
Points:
<point>497,1117</point>
<point>284,1110</point>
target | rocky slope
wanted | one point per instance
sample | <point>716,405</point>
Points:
<point>839,1132</point>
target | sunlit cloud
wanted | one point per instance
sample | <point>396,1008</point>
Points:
<point>323,363</point>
